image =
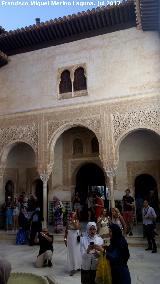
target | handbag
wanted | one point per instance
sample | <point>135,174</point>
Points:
<point>103,272</point>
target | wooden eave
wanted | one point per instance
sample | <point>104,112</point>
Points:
<point>82,25</point>
<point>150,15</point>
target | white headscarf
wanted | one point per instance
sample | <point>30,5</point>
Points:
<point>91,224</point>
<point>89,260</point>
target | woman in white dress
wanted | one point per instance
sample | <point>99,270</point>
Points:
<point>73,245</point>
<point>91,247</point>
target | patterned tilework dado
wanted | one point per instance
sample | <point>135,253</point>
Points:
<point>126,121</point>
<point>25,133</point>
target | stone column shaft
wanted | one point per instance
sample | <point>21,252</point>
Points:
<point>110,175</point>
<point>111,191</point>
<point>1,190</point>
<point>44,177</point>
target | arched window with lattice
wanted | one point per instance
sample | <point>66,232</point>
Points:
<point>79,82</point>
<point>65,85</point>
<point>94,145</point>
<point>77,146</point>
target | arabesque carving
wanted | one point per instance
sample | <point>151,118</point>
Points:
<point>55,129</point>
<point>130,120</point>
<point>27,134</point>
<point>92,123</point>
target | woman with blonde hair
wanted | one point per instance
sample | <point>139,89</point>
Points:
<point>118,219</point>
<point>103,224</point>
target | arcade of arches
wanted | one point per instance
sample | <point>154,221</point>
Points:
<point>77,164</point>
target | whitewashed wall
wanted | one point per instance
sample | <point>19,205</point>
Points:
<point>123,63</point>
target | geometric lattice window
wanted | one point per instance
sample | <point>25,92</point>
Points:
<point>77,146</point>
<point>94,145</point>
<point>65,85</point>
<point>79,80</point>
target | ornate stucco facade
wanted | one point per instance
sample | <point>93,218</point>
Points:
<point>122,69</point>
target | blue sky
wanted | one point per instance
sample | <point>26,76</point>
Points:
<point>17,16</point>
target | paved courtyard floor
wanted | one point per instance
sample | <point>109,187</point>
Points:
<point>144,266</point>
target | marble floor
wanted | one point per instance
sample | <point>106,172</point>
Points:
<point>144,266</point>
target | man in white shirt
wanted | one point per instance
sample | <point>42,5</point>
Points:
<point>149,217</point>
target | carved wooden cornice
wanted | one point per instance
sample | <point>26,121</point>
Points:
<point>86,24</point>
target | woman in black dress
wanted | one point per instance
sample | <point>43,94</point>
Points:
<point>118,254</point>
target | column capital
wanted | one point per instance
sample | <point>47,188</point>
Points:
<point>45,171</point>
<point>44,176</point>
<point>111,172</point>
<point>110,167</point>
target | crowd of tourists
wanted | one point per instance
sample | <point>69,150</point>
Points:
<point>23,216</point>
<point>101,253</point>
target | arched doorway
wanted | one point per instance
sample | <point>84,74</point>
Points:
<point>145,188</point>
<point>139,149</point>
<point>9,190</point>
<point>144,184</point>
<point>89,178</point>
<point>20,165</point>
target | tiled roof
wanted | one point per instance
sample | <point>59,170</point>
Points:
<point>82,25</point>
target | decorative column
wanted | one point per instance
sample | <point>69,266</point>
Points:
<point>111,174</point>
<point>1,190</point>
<point>2,194</point>
<point>44,177</point>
